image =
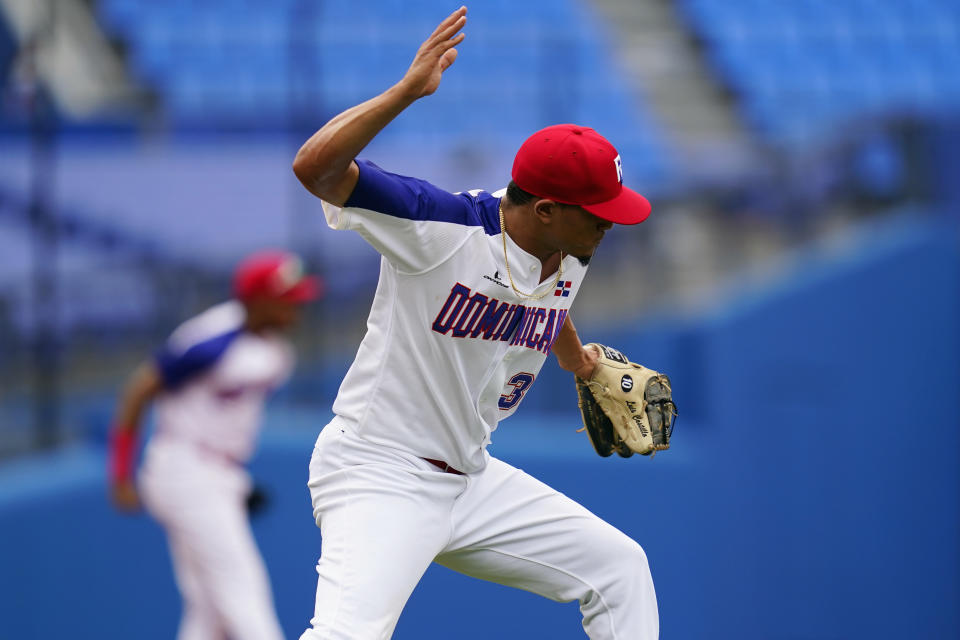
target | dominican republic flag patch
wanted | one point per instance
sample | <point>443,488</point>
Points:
<point>563,288</point>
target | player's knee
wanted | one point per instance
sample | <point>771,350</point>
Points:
<point>621,594</point>
<point>638,560</point>
<point>634,583</point>
<point>632,567</point>
<point>637,554</point>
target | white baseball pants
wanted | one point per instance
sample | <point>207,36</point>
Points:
<point>200,500</point>
<point>385,515</point>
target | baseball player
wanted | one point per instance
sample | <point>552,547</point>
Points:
<point>474,291</point>
<point>209,383</point>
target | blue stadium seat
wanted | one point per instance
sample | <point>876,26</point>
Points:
<point>804,68</point>
<point>234,62</point>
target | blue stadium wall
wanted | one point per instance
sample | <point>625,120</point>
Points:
<point>812,492</point>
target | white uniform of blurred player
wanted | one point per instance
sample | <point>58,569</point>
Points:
<point>474,292</point>
<point>210,382</point>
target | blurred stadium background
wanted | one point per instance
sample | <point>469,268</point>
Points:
<point>799,279</point>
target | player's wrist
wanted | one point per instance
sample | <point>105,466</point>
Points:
<point>583,364</point>
<point>405,92</point>
<point>123,442</point>
<point>591,357</point>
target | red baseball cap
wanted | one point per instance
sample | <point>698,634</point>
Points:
<point>276,275</point>
<point>576,165</point>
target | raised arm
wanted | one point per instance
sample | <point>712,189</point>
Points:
<point>571,354</point>
<point>325,163</point>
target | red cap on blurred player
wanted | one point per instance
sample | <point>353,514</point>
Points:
<point>576,165</point>
<point>275,275</point>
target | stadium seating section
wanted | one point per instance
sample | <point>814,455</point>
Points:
<point>805,68</point>
<point>261,65</point>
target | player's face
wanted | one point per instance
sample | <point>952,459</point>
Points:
<point>579,232</point>
<point>276,314</point>
<point>285,314</point>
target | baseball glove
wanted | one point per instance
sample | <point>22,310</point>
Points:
<point>626,407</point>
<point>258,500</point>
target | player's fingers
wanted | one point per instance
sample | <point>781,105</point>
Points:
<point>448,33</point>
<point>449,44</point>
<point>447,59</point>
<point>447,21</point>
<point>450,19</point>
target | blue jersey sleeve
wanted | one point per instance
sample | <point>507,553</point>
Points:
<point>414,225</point>
<point>179,366</point>
<point>418,200</point>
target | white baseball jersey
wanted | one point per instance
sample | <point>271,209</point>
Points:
<point>216,377</point>
<point>450,348</point>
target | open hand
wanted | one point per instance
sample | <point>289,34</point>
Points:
<point>435,56</point>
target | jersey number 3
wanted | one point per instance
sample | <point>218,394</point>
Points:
<point>520,383</point>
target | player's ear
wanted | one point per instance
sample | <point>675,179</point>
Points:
<point>546,210</point>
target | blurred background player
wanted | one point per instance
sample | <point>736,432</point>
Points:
<point>209,383</point>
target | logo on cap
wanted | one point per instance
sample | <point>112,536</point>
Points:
<point>274,274</point>
<point>616,162</point>
<point>288,274</point>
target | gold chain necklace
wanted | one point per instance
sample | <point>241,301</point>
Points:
<point>503,232</point>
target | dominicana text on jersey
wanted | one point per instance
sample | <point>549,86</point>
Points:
<point>466,314</point>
